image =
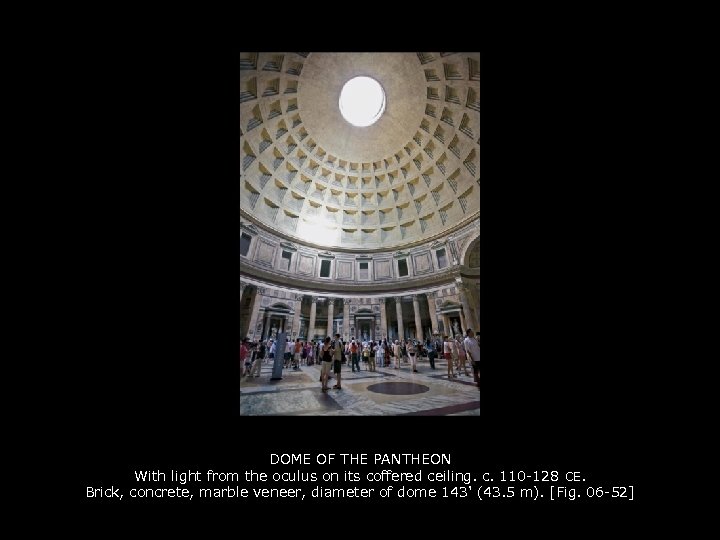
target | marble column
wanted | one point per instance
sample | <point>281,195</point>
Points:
<point>474,290</point>
<point>398,310</point>
<point>313,310</point>
<point>446,324</point>
<point>265,328</point>
<point>346,318</point>
<point>465,299</point>
<point>418,319</point>
<point>296,316</point>
<point>251,331</point>
<point>431,309</point>
<point>463,326</point>
<point>243,286</point>
<point>477,306</point>
<point>268,327</point>
<point>331,314</point>
<point>383,320</point>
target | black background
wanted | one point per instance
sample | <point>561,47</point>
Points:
<point>149,289</point>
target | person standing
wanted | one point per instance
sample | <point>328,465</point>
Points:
<point>354,356</point>
<point>244,352</point>
<point>472,348</point>
<point>412,352</point>
<point>297,352</point>
<point>337,360</point>
<point>289,348</point>
<point>397,350</point>
<point>327,360</point>
<point>309,351</point>
<point>380,353</point>
<point>447,351</point>
<point>454,352</point>
<point>259,357</point>
<point>462,366</point>
<point>431,352</point>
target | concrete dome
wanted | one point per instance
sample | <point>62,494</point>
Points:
<point>312,177</point>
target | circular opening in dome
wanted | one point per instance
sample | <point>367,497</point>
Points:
<point>362,101</point>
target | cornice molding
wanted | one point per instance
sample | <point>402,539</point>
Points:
<point>250,227</point>
<point>318,288</point>
<point>475,217</point>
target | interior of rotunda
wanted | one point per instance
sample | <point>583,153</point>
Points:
<point>359,216</point>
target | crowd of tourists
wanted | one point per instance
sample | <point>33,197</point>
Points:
<point>460,354</point>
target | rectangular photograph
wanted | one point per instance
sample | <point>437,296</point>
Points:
<point>359,234</point>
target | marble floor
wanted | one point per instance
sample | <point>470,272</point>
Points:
<point>385,392</point>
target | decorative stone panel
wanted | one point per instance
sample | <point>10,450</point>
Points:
<point>422,263</point>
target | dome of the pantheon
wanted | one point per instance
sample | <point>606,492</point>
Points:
<point>311,176</point>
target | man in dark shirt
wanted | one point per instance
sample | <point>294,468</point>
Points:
<point>431,352</point>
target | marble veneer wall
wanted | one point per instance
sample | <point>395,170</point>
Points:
<point>454,298</point>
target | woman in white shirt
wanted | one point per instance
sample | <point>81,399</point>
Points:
<point>380,354</point>
<point>412,353</point>
<point>397,352</point>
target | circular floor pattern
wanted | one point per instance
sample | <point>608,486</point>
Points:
<point>398,388</point>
